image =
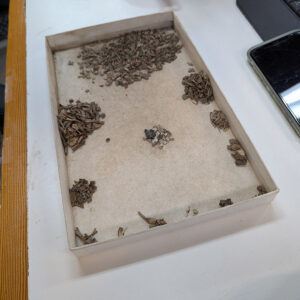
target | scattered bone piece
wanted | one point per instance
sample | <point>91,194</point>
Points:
<point>187,211</point>
<point>237,152</point>
<point>261,190</point>
<point>195,211</point>
<point>240,158</point>
<point>121,231</point>
<point>86,238</point>
<point>226,202</point>
<point>153,222</point>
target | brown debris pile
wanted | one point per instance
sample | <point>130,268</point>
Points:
<point>158,136</point>
<point>130,57</point>
<point>153,222</point>
<point>82,192</point>
<point>86,238</point>
<point>197,87</point>
<point>219,119</point>
<point>237,152</point>
<point>77,121</point>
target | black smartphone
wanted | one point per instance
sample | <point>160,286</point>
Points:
<point>277,63</point>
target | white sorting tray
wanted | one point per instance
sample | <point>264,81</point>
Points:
<point>195,170</point>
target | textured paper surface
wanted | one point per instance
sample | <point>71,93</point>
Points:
<point>195,170</point>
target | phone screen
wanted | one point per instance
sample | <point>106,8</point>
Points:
<point>279,61</point>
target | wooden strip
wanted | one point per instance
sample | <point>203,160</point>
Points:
<point>13,211</point>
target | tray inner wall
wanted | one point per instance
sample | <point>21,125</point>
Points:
<point>194,170</point>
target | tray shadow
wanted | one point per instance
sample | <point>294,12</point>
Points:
<point>166,243</point>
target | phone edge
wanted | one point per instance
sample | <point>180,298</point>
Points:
<point>276,98</point>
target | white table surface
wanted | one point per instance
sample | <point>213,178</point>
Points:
<point>254,254</point>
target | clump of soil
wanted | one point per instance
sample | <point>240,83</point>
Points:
<point>219,120</point>
<point>77,121</point>
<point>130,57</point>
<point>86,238</point>
<point>153,222</point>
<point>158,136</point>
<point>225,202</point>
<point>237,152</point>
<point>197,87</point>
<point>195,212</point>
<point>261,190</point>
<point>82,192</point>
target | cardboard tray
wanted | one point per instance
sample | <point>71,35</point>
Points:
<point>195,170</point>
